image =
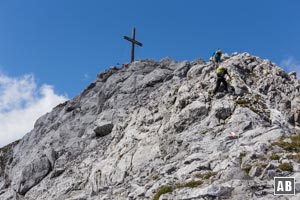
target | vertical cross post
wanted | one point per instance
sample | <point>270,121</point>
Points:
<point>133,42</point>
<point>132,45</point>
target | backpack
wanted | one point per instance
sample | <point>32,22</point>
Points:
<point>221,71</point>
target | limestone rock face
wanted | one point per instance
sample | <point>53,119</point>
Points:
<point>33,173</point>
<point>155,125</point>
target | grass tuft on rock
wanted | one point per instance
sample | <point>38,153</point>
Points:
<point>155,177</point>
<point>293,146</point>
<point>242,102</point>
<point>168,188</point>
<point>191,184</point>
<point>286,167</point>
<point>163,190</point>
<point>243,154</point>
<point>275,157</point>
<point>206,175</point>
<point>295,157</point>
<point>262,165</point>
<point>247,168</point>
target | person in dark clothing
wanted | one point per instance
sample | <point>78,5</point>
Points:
<point>217,56</point>
<point>221,72</point>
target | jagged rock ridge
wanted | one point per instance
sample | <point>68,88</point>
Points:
<point>153,126</point>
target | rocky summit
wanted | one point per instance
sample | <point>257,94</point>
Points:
<point>154,130</point>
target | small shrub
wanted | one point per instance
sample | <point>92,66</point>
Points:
<point>255,110</point>
<point>279,143</point>
<point>262,165</point>
<point>204,132</point>
<point>275,157</point>
<point>155,177</point>
<point>247,168</point>
<point>206,175</point>
<point>293,146</point>
<point>257,97</point>
<point>286,167</point>
<point>264,106</point>
<point>243,154</point>
<point>294,157</point>
<point>6,154</point>
<point>163,190</point>
<point>9,147</point>
<point>296,142</point>
<point>191,184</point>
<point>242,102</point>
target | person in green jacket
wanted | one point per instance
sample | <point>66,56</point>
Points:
<point>221,72</point>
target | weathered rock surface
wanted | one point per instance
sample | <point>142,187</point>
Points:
<point>155,124</point>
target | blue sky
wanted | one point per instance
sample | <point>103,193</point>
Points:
<point>63,44</point>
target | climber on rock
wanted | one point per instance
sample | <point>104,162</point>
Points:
<point>221,72</point>
<point>216,57</point>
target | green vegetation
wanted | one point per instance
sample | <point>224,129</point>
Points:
<point>191,184</point>
<point>257,97</point>
<point>8,147</point>
<point>243,154</point>
<point>204,132</point>
<point>206,175</point>
<point>262,165</point>
<point>155,177</point>
<point>163,190</point>
<point>242,102</point>
<point>256,104</point>
<point>254,109</point>
<point>295,157</point>
<point>275,157</point>
<point>286,167</point>
<point>286,147</point>
<point>264,106</point>
<point>247,168</point>
<point>169,188</point>
<point>293,146</point>
<point>6,153</point>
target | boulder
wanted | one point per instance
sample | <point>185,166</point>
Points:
<point>103,128</point>
<point>255,171</point>
<point>33,173</point>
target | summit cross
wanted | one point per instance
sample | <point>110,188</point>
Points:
<point>133,42</point>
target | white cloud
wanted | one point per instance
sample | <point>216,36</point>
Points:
<point>291,64</point>
<point>22,102</point>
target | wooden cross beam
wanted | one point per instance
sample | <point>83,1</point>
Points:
<point>133,42</point>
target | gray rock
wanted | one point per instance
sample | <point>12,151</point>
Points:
<point>269,172</point>
<point>212,191</point>
<point>293,74</point>
<point>156,125</point>
<point>222,109</point>
<point>33,173</point>
<point>182,69</point>
<point>217,191</point>
<point>103,129</point>
<point>194,166</point>
<point>156,76</point>
<point>195,71</point>
<point>255,171</point>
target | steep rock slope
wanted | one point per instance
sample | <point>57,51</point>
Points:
<point>153,130</point>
